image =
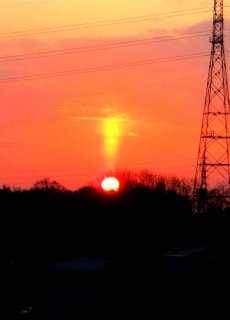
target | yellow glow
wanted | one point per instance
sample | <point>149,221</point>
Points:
<point>111,132</point>
<point>110,184</point>
<point>112,127</point>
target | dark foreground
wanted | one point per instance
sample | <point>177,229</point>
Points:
<point>137,254</point>
<point>191,280</point>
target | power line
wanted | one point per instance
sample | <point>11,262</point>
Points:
<point>103,68</point>
<point>102,167</point>
<point>101,23</point>
<point>93,48</point>
<point>59,176</point>
<point>26,3</point>
<point>77,178</point>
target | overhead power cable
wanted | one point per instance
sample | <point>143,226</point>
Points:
<point>101,23</point>
<point>60,170</point>
<point>103,68</point>
<point>92,48</point>
<point>22,3</point>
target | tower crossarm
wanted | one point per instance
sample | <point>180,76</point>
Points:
<point>216,137</point>
<point>218,21</point>
<point>214,164</point>
<point>219,113</point>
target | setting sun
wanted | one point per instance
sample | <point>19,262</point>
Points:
<point>110,184</point>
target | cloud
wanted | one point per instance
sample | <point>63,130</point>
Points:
<point>151,91</point>
<point>132,134</point>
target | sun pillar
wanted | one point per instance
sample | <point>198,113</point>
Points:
<point>112,135</point>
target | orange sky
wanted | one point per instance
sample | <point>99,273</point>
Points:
<point>72,128</point>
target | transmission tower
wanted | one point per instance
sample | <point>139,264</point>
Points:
<point>213,162</point>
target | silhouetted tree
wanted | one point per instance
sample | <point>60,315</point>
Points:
<point>47,184</point>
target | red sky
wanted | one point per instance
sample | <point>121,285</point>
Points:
<point>72,128</point>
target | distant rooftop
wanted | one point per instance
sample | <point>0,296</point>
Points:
<point>80,264</point>
<point>188,249</point>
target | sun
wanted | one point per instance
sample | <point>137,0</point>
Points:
<point>110,184</point>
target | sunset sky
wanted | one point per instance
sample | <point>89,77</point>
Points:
<point>88,86</point>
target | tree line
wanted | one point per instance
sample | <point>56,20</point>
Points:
<point>151,213</point>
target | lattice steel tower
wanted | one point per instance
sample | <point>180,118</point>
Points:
<point>213,162</point>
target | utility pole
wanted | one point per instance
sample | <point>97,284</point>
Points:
<point>213,162</point>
